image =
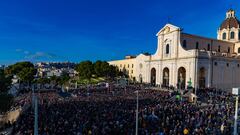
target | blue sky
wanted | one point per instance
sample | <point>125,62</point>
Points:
<point>76,30</point>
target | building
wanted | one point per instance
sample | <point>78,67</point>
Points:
<point>2,66</point>
<point>181,58</point>
<point>48,69</point>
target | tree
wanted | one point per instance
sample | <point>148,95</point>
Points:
<point>27,74</point>
<point>98,68</point>
<point>53,80</point>
<point>64,78</point>
<point>43,81</point>
<point>17,67</point>
<point>24,70</point>
<point>113,71</point>
<point>5,81</point>
<point>6,100</point>
<point>85,70</point>
<point>105,69</point>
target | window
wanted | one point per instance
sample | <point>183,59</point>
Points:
<point>219,48</point>
<point>215,63</point>
<point>232,35</point>
<point>239,50</point>
<point>208,47</point>
<point>167,49</point>
<point>228,49</point>
<point>224,36</point>
<point>128,65</point>
<point>132,65</point>
<point>132,71</point>
<point>197,45</point>
<point>238,65</point>
<point>184,44</point>
<point>227,65</point>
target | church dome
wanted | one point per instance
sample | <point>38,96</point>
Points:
<point>230,23</point>
<point>229,30</point>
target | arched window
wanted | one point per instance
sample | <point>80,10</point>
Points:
<point>165,77</point>
<point>181,78</point>
<point>197,45</point>
<point>167,49</point>
<point>219,48</point>
<point>228,49</point>
<point>208,47</point>
<point>184,44</point>
<point>239,50</point>
<point>224,36</point>
<point>232,35</point>
<point>202,77</point>
<point>153,76</point>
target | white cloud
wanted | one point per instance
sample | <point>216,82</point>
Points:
<point>32,56</point>
<point>40,55</point>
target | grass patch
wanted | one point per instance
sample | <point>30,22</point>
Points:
<point>93,80</point>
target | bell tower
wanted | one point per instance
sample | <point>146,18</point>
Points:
<point>229,30</point>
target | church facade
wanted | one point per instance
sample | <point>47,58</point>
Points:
<point>181,58</point>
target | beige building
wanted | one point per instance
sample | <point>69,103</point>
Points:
<point>181,58</point>
<point>127,66</point>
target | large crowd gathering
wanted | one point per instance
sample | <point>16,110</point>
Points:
<point>91,111</point>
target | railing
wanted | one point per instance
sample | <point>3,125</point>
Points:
<point>203,53</point>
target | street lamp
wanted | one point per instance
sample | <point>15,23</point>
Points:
<point>137,113</point>
<point>36,116</point>
<point>236,92</point>
<point>35,107</point>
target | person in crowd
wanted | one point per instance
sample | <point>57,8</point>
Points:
<point>97,111</point>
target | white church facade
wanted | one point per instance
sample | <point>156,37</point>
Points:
<point>181,58</point>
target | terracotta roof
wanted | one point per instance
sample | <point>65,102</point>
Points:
<point>196,36</point>
<point>230,23</point>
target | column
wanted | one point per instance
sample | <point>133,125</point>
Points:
<point>209,83</point>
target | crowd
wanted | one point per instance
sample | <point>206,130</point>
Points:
<point>104,112</point>
<point>215,96</point>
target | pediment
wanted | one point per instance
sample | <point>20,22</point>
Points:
<point>168,28</point>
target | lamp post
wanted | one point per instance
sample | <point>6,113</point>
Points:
<point>35,116</point>
<point>33,95</point>
<point>35,109</point>
<point>236,116</point>
<point>137,113</point>
<point>76,85</point>
<point>236,92</point>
